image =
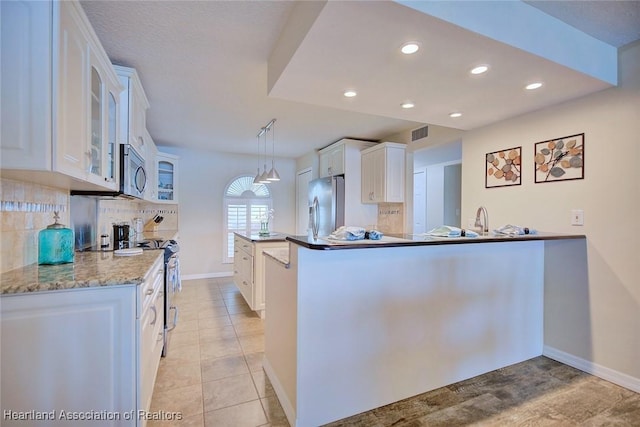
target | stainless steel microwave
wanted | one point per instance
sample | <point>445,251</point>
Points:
<point>133,176</point>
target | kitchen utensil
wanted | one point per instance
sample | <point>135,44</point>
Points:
<point>138,226</point>
<point>55,243</point>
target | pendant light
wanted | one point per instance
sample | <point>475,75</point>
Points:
<point>273,173</point>
<point>263,177</point>
<point>256,180</point>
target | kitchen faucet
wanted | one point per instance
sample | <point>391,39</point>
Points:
<point>485,220</point>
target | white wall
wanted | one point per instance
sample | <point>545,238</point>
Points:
<point>203,176</point>
<point>609,300</point>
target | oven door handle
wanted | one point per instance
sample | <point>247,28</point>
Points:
<point>175,318</point>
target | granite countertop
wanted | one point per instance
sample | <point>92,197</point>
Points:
<point>280,255</point>
<point>273,237</point>
<point>401,240</point>
<point>89,269</point>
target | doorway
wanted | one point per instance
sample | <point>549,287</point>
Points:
<point>437,187</point>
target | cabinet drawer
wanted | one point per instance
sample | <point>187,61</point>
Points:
<point>151,343</point>
<point>153,281</point>
<point>243,245</point>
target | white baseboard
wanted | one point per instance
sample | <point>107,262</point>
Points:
<point>623,380</point>
<point>205,276</point>
<point>289,411</point>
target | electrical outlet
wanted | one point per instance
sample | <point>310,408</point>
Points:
<point>577,217</point>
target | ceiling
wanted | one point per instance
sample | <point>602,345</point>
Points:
<point>215,72</point>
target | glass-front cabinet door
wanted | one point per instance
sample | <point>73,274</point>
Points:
<point>167,178</point>
<point>95,163</point>
<point>110,172</point>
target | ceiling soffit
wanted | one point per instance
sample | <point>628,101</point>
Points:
<point>355,45</point>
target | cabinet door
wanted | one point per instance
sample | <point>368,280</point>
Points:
<point>72,152</point>
<point>167,178</point>
<point>394,175</point>
<point>151,165</point>
<point>373,176</point>
<point>138,136</point>
<point>337,161</point>
<point>151,342</point>
<point>246,279</point>
<point>71,350</point>
<point>112,135</point>
<point>96,115</point>
<point>25,76</point>
<point>325,165</point>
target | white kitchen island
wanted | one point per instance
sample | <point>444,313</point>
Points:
<point>354,327</point>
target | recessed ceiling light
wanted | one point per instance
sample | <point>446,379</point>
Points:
<point>409,48</point>
<point>407,104</point>
<point>350,93</point>
<point>455,115</point>
<point>480,69</point>
<point>533,86</point>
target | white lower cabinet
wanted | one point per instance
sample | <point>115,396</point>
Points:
<point>249,270</point>
<point>81,356</point>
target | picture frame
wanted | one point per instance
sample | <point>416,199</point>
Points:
<point>503,168</point>
<point>559,159</point>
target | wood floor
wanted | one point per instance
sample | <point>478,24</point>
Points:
<point>213,377</point>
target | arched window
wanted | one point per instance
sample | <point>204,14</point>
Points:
<point>244,204</point>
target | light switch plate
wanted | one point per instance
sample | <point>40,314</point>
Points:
<point>577,217</point>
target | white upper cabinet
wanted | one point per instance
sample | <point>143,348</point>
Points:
<point>167,178</point>
<point>150,165</point>
<point>332,160</point>
<point>338,158</point>
<point>55,82</point>
<point>133,109</point>
<point>383,173</point>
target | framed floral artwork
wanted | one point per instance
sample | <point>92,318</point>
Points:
<point>560,159</point>
<point>503,168</point>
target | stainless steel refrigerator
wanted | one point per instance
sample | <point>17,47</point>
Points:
<point>326,205</point>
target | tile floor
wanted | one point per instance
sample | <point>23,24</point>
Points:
<point>213,373</point>
<point>213,376</point>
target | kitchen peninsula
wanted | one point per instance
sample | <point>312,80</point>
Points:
<point>355,326</point>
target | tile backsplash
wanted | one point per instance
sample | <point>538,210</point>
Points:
<point>27,208</point>
<point>391,218</point>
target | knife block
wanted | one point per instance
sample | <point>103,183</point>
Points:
<point>150,226</point>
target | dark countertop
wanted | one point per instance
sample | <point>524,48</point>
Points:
<point>401,240</point>
<point>273,237</point>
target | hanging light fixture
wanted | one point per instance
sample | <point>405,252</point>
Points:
<point>273,173</point>
<point>267,177</point>
<point>256,180</point>
<point>263,177</point>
